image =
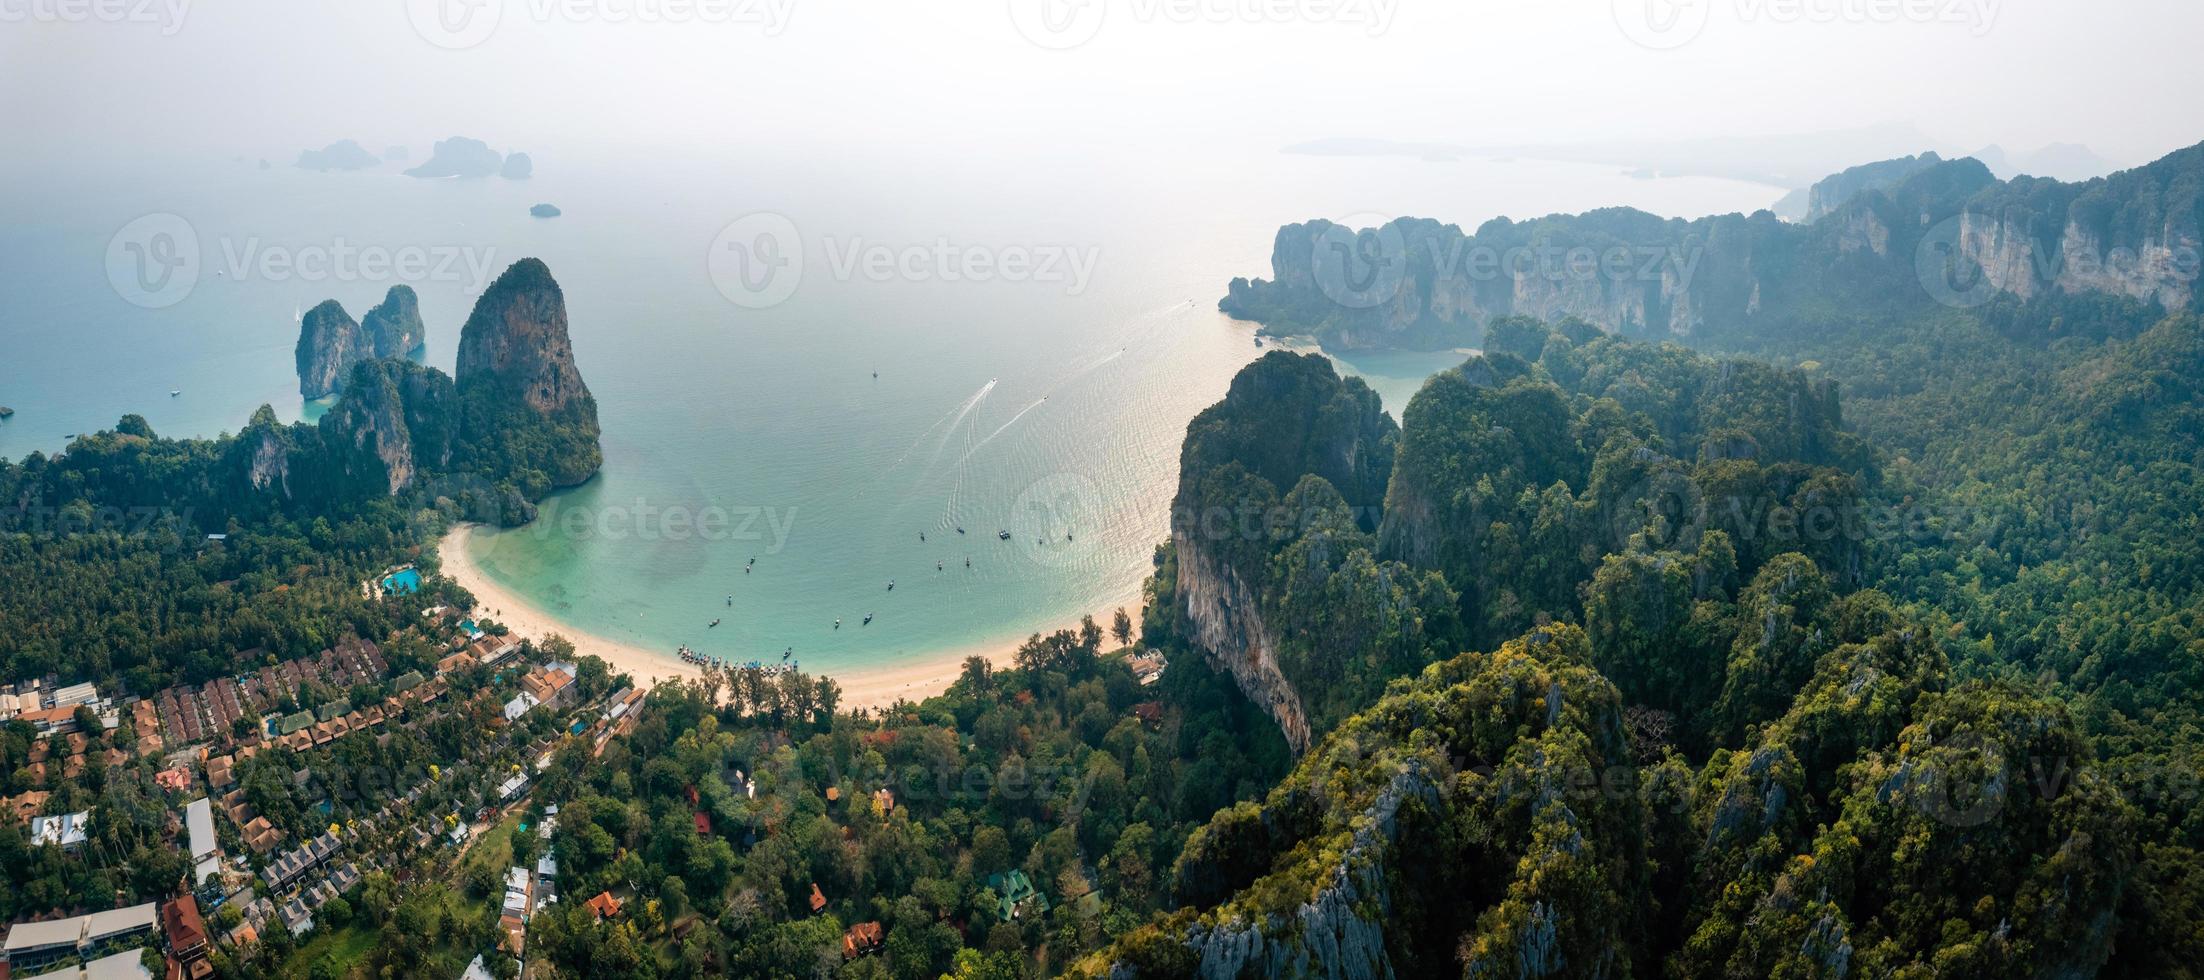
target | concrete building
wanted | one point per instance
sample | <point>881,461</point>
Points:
<point>33,946</point>
<point>67,831</point>
<point>206,849</point>
<point>117,966</point>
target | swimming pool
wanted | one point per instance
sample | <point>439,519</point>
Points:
<point>404,581</point>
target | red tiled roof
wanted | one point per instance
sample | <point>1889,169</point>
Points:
<point>181,922</point>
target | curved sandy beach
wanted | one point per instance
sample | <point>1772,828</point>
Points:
<point>869,687</point>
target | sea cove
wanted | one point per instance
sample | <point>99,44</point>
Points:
<point>996,355</point>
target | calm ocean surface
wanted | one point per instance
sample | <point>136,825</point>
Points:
<point>1047,401</point>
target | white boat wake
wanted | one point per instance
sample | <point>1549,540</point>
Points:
<point>954,417</point>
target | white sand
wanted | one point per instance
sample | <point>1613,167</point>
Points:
<point>865,687</point>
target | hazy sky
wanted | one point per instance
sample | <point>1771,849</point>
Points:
<point>92,78</point>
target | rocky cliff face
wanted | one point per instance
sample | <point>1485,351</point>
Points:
<point>1286,418</point>
<point>1228,623</point>
<point>329,343</point>
<point>266,447</point>
<point>393,328</point>
<point>1882,236</point>
<point>1433,834</point>
<point>393,424</point>
<point>516,341</point>
<point>1340,930</point>
<point>516,368</point>
<point>1417,284</point>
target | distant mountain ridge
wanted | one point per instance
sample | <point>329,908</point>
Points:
<point>1901,234</point>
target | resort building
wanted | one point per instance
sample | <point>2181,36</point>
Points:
<point>206,850</point>
<point>862,939</point>
<point>1015,896</point>
<point>607,906</point>
<point>186,934</point>
<point>33,946</point>
<point>125,965</point>
<point>67,831</point>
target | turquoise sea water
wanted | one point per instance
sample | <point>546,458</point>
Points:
<point>1049,406</point>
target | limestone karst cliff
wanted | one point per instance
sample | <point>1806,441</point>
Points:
<point>525,397</point>
<point>1902,234</point>
<point>393,327</point>
<point>329,343</point>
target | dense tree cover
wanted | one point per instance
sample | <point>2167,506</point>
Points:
<point>1503,814</point>
<point>2053,449</point>
<point>1044,767</point>
<point>1901,688</point>
<point>126,851</point>
<point>1824,790</point>
<point>107,573</point>
<point>1514,475</point>
<point>1261,508</point>
<point>107,568</point>
<point>1520,470</point>
<point>1289,415</point>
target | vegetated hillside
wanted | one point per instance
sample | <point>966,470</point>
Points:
<point>1512,477</point>
<point>107,572</point>
<point>1945,730</point>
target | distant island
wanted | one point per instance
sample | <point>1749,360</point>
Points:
<point>517,167</point>
<point>340,155</point>
<point>545,211</point>
<point>6,412</point>
<point>459,157</point>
